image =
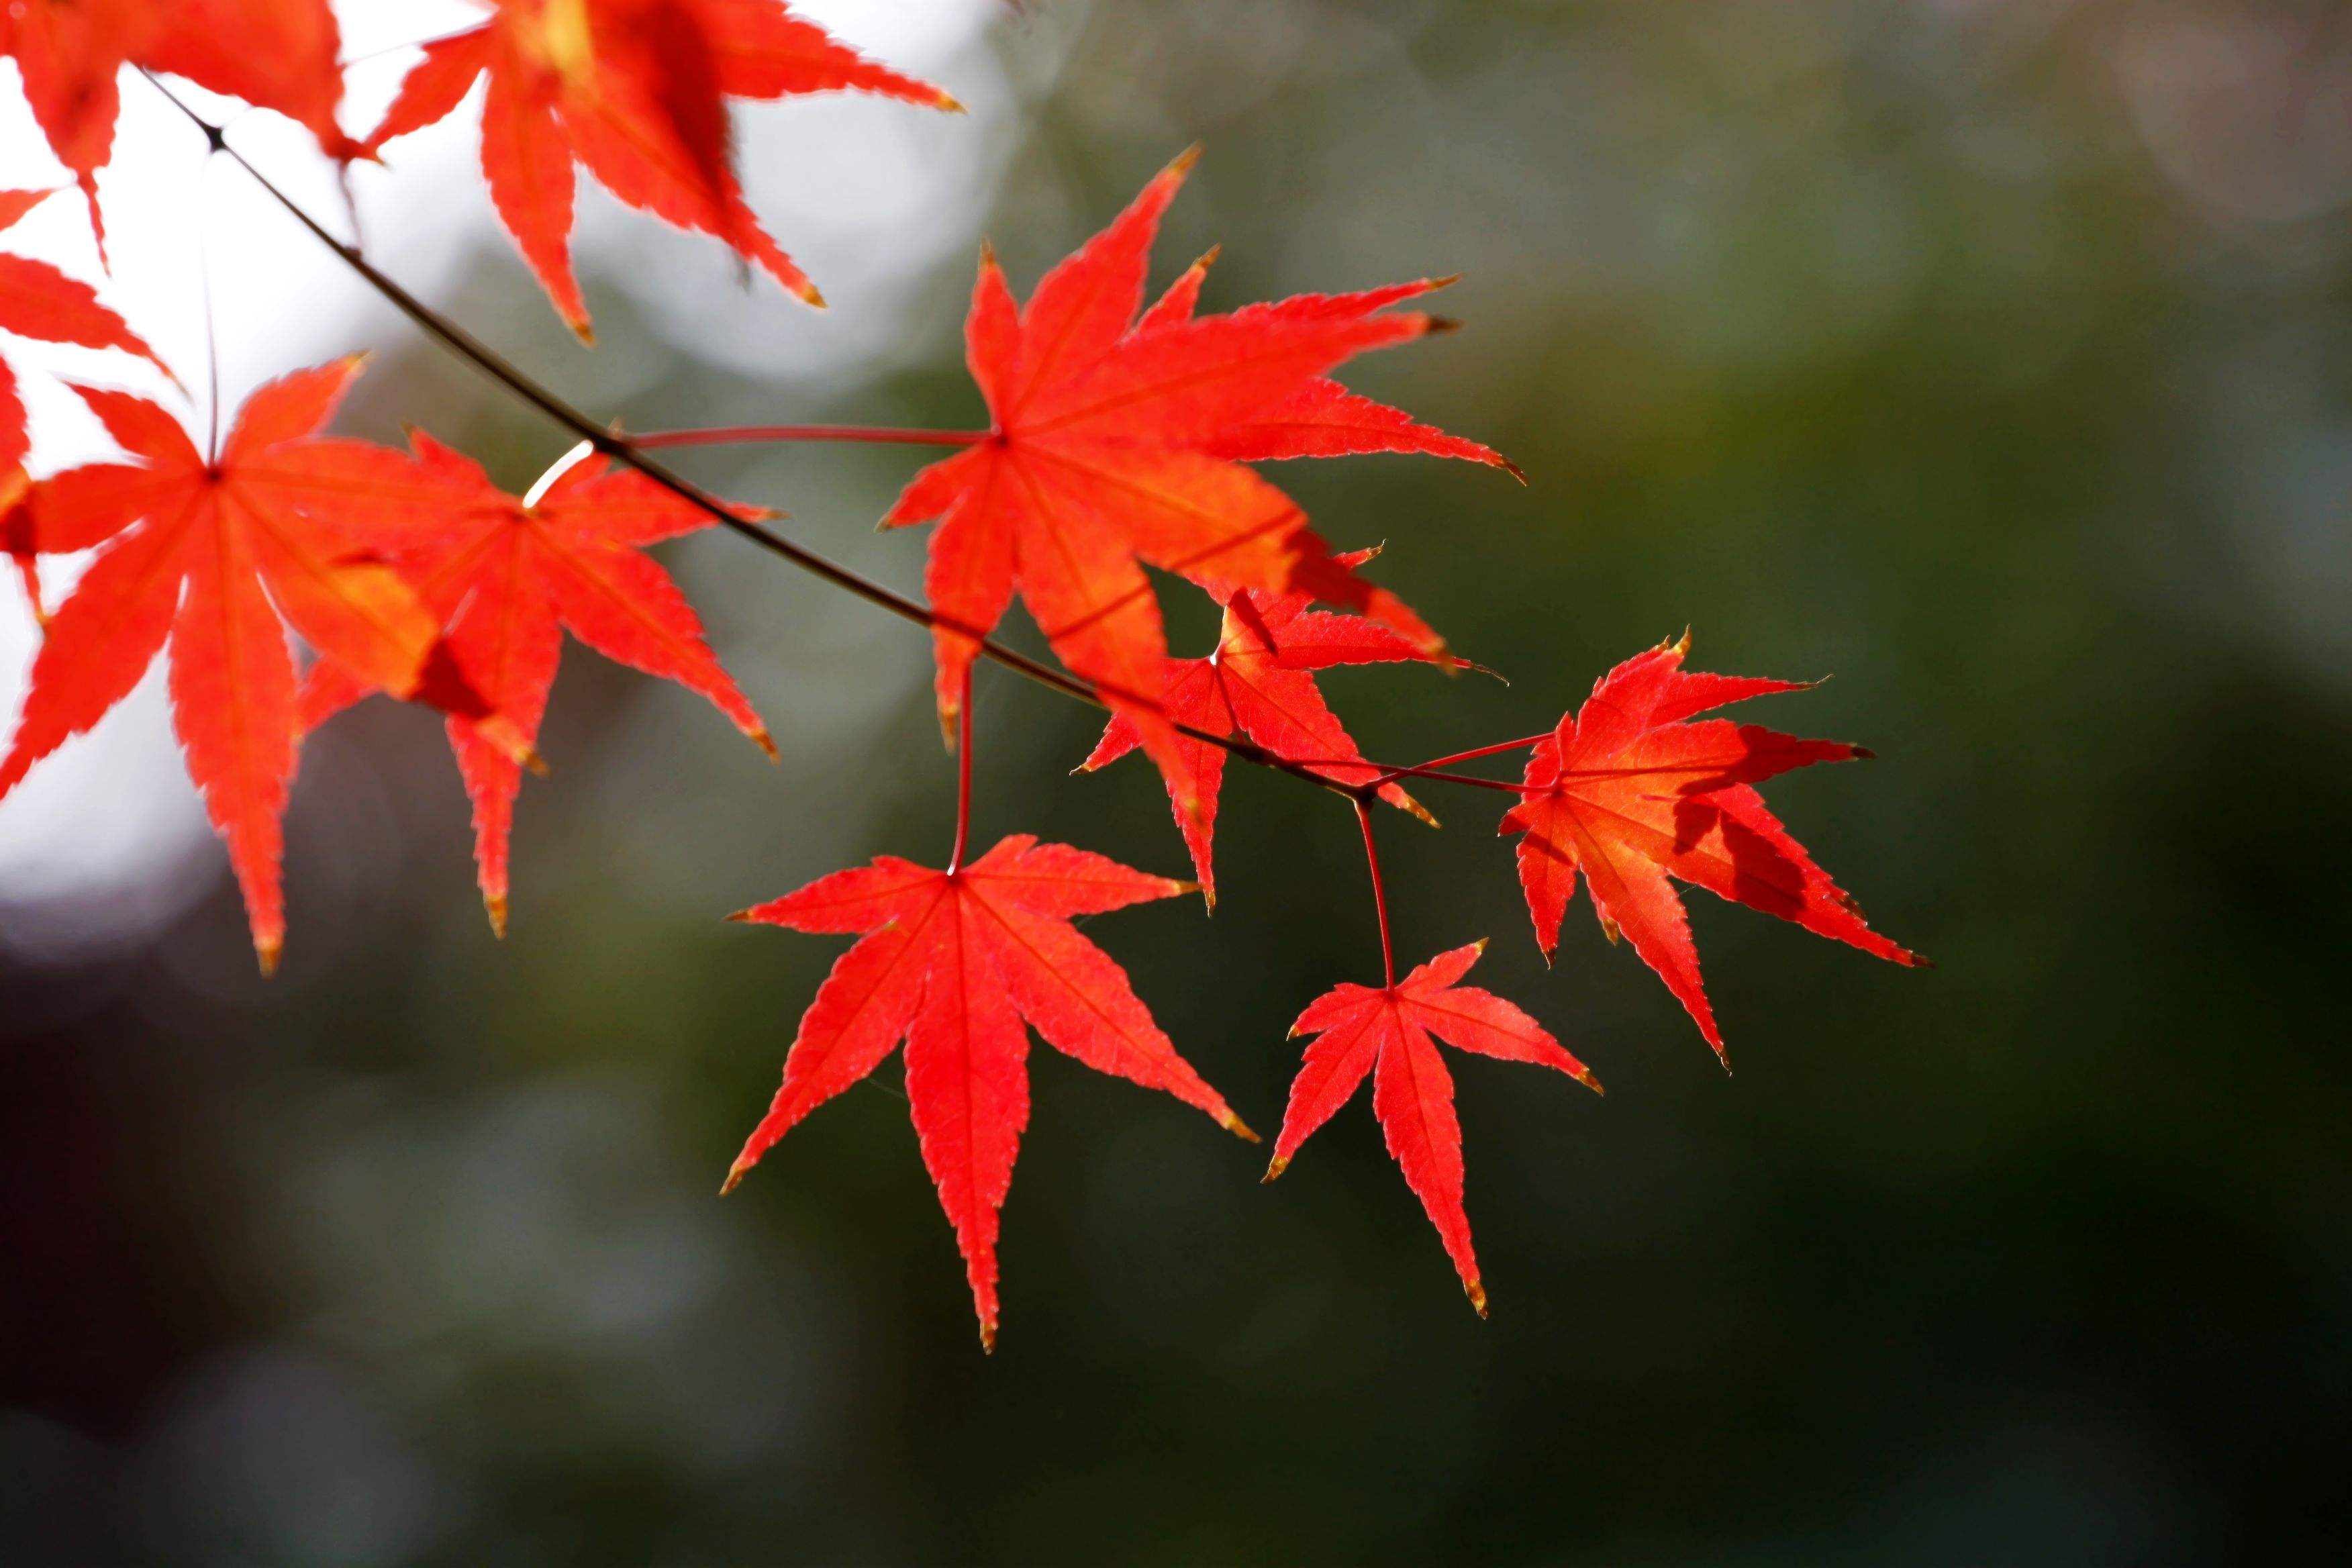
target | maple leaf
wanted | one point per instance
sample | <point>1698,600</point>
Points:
<point>1260,682</point>
<point>36,300</point>
<point>1116,440</point>
<point>1386,1031</point>
<point>274,54</point>
<point>505,577</point>
<point>636,90</point>
<point>952,961</point>
<point>211,552</point>
<point>1631,791</point>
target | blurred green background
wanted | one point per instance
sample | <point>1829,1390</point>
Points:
<point>1991,357</point>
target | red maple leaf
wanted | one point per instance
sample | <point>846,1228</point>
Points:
<point>211,552</point>
<point>1116,440</point>
<point>952,961</point>
<point>636,90</point>
<point>36,300</point>
<point>506,577</point>
<point>1631,792</point>
<point>1260,682</point>
<point>274,54</point>
<point>1363,1030</point>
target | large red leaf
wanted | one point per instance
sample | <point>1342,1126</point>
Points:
<point>1632,790</point>
<point>507,578</point>
<point>952,963</point>
<point>1116,440</point>
<point>636,89</point>
<point>1386,1032</point>
<point>220,554</point>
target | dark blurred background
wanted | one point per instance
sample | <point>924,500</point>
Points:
<point>1991,357</point>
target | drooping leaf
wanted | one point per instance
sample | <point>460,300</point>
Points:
<point>274,54</point>
<point>220,554</point>
<point>1633,789</point>
<point>1116,441</point>
<point>1385,1033</point>
<point>952,963</point>
<point>1260,682</point>
<point>506,579</point>
<point>636,90</point>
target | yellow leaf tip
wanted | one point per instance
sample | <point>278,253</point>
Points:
<point>1280,1164</point>
<point>1477,1291</point>
<point>494,906</point>
<point>1183,164</point>
<point>266,950</point>
<point>988,1336</point>
<point>765,742</point>
<point>1238,1127</point>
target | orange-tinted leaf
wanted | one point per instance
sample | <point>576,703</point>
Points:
<point>636,90</point>
<point>1113,443</point>
<point>953,963</point>
<point>1631,792</point>
<point>1386,1032</point>
<point>506,579</point>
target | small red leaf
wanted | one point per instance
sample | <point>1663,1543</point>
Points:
<point>1387,1032</point>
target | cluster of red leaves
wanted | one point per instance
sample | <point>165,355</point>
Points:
<point>1120,436</point>
<point>1116,439</point>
